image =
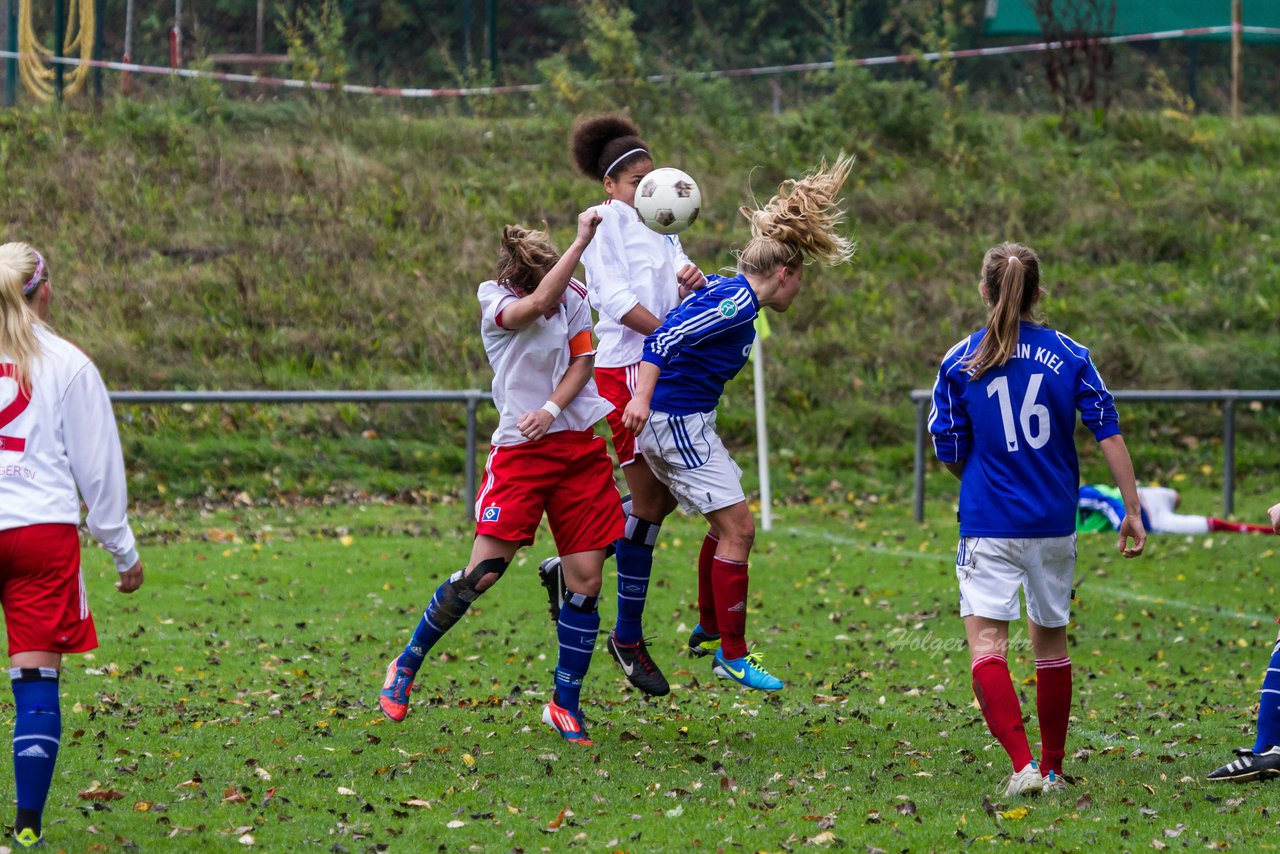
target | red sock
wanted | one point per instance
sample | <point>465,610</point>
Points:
<point>706,590</point>
<point>729,579</point>
<point>1053,708</point>
<point>994,689</point>
<point>1216,524</point>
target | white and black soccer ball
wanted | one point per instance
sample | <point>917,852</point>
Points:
<point>668,200</point>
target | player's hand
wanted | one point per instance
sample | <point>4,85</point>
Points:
<point>1131,529</point>
<point>690,279</point>
<point>1274,513</point>
<point>636,415</point>
<point>534,425</point>
<point>587,222</point>
<point>130,579</point>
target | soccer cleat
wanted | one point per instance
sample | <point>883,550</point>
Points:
<point>551,576</point>
<point>640,668</point>
<point>570,725</point>
<point>745,671</point>
<point>1054,784</point>
<point>1025,782</point>
<point>702,642</point>
<point>26,838</point>
<point>1249,766</point>
<point>394,698</point>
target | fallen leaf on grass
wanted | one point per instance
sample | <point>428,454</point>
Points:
<point>343,790</point>
<point>824,838</point>
<point>676,811</point>
<point>247,839</point>
<point>93,794</point>
<point>142,806</point>
<point>456,823</point>
<point>557,821</point>
<point>1084,802</point>
<point>1016,814</point>
<point>417,802</point>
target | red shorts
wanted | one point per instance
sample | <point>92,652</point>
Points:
<point>568,475</point>
<point>617,385</point>
<point>45,605</point>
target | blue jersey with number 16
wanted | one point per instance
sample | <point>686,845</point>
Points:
<point>1014,429</point>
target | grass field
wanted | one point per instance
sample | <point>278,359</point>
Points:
<point>233,700</point>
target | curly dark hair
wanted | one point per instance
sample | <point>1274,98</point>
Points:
<point>597,141</point>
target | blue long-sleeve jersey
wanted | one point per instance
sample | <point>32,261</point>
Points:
<point>1014,429</point>
<point>701,345</point>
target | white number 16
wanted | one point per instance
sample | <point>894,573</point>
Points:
<point>1030,411</point>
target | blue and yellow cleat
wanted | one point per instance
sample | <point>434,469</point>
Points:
<point>568,724</point>
<point>702,642</point>
<point>26,838</point>
<point>746,671</point>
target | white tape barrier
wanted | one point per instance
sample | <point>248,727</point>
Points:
<point>768,70</point>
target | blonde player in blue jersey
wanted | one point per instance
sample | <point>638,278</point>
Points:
<point>1003,421</point>
<point>686,362</point>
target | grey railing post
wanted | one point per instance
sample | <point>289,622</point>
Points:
<point>918,495</point>
<point>470,467</point>
<point>1228,457</point>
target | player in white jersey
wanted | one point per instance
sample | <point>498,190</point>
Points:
<point>635,277</point>
<point>58,446</point>
<point>545,457</point>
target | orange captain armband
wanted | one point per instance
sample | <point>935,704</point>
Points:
<point>580,344</point>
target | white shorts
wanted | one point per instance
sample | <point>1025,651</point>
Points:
<point>684,452</point>
<point>991,570</point>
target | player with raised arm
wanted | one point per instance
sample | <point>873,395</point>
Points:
<point>634,277</point>
<point>58,446</point>
<point>1003,422</point>
<point>536,325</point>
<point>1262,761</point>
<point>687,361</point>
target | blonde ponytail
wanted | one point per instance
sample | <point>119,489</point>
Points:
<point>18,322</point>
<point>1011,278</point>
<point>525,257</point>
<point>799,223</point>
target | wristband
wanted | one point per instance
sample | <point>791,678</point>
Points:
<point>551,407</point>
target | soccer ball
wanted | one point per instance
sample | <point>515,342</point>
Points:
<point>668,200</point>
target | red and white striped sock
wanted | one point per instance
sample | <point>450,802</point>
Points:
<point>993,687</point>
<point>1053,708</point>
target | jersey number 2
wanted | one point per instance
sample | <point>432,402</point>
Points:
<point>1029,413</point>
<point>13,410</point>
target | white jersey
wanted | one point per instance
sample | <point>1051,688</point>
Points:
<point>629,264</point>
<point>60,446</point>
<point>529,363</point>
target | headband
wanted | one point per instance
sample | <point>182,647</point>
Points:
<point>34,282</point>
<point>624,157</point>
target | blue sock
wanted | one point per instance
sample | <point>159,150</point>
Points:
<point>577,629</point>
<point>37,729</point>
<point>635,563</point>
<point>1269,706</point>
<point>445,609</point>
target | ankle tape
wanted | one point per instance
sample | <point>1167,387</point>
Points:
<point>641,532</point>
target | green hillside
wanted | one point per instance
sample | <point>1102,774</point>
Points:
<point>198,242</point>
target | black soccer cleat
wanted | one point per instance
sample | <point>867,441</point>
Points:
<point>551,577</point>
<point>639,667</point>
<point>1249,766</point>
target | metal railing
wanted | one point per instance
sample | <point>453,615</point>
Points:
<point>1227,397</point>
<point>471,397</point>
